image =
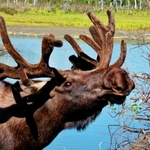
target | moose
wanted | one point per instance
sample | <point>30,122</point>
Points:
<point>34,111</point>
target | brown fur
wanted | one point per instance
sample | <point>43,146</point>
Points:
<point>32,113</point>
<point>75,103</point>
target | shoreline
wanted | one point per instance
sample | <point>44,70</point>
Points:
<point>59,32</point>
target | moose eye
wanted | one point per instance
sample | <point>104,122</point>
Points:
<point>67,84</point>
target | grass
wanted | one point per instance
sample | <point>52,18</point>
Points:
<point>125,19</point>
<point>133,20</point>
<point>51,19</point>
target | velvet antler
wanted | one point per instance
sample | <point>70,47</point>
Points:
<point>102,43</point>
<point>25,70</point>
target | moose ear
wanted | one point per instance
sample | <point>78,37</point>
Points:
<point>59,79</point>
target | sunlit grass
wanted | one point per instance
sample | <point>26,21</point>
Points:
<point>125,20</point>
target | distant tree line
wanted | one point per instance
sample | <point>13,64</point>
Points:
<point>129,4</point>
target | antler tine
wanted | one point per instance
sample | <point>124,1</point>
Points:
<point>103,36</point>
<point>92,43</point>
<point>122,56</point>
<point>96,44</point>
<point>25,70</point>
<point>74,44</point>
<point>82,57</point>
<point>8,45</point>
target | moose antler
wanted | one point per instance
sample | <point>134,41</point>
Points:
<point>102,43</point>
<point>25,70</point>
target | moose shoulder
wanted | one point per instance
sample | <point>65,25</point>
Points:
<point>33,113</point>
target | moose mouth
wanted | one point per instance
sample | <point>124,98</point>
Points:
<point>113,99</point>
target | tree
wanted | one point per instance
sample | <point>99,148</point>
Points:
<point>135,4</point>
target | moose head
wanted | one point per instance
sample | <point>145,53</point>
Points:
<point>33,113</point>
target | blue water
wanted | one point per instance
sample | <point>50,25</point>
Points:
<point>96,136</point>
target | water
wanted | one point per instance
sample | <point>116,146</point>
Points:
<point>96,136</point>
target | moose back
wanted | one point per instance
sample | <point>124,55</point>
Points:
<point>33,113</point>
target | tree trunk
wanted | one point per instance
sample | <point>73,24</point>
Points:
<point>34,2</point>
<point>140,4</point>
<point>128,4</point>
<point>102,4</point>
<point>7,2</point>
<point>16,2</point>
<point>115,5</point>
<point>135,4</point>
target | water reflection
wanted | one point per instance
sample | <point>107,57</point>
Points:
<point>96,135</point>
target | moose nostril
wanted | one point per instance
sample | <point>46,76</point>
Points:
<point>119,89</point>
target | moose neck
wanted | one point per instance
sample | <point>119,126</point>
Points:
<point>38,128</point>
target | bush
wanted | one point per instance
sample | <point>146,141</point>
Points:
<point>8,10</point>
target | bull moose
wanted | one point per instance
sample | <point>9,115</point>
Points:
<point>33,112</point>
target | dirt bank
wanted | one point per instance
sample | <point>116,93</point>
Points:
<point>75,32</point>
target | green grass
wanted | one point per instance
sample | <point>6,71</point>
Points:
<point>125,19</point>
<point>50,19</point>
<point>133,20</point>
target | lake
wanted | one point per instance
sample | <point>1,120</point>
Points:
<point>96,136</point>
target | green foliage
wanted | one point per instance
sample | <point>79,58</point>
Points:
<point>136,108</point>
<point>8,10</point>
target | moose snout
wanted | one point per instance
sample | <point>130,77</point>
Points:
<point>131,86</point>
<point>122,85</point>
